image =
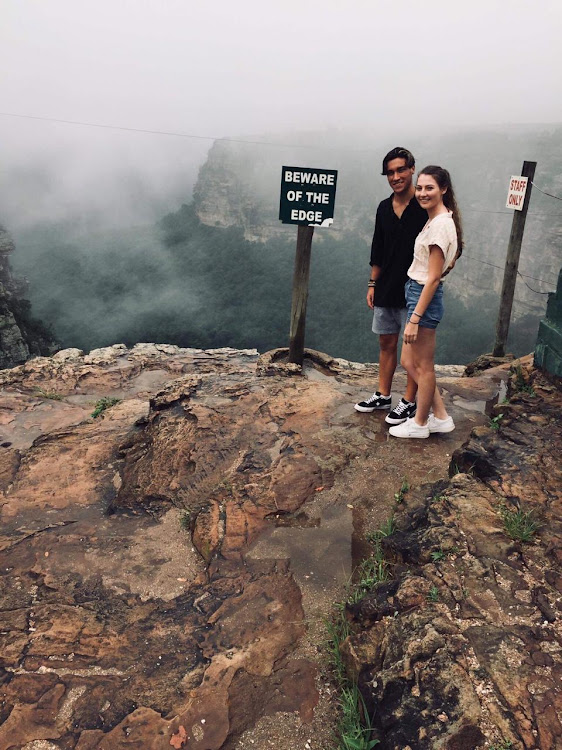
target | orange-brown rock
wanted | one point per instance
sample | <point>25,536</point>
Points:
<point>463,647</point>
<point>138,608</point>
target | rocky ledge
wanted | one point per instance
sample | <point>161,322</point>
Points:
<point>461,649</point>
<point>175,527</point>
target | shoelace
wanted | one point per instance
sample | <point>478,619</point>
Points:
<point>374,397</point>
<point>400,407</point>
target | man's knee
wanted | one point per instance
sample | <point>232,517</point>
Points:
<point>388,342</point>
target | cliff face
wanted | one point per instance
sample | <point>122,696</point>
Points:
<point>20,335</point>
<point>240,182</point>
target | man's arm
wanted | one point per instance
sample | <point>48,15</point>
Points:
<point>377,246</point>
<point>375,273</point>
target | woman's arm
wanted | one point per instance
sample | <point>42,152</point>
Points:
<point>436,259</point>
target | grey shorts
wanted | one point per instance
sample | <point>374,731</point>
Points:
<point>389,319</point>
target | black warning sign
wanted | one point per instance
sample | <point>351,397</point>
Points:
<point>308,196</point>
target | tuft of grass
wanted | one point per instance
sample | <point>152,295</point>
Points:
<point>433,595</point>
<point>503,745</point>
<point>354,725</point>
<point>371,571</point>
<point>496,421</point>
<point>437,555</point>
<point>437,498</point>
<point>456,469</point>
<point>520,384</point>
<point>387,528</point>
<point>185,520</point>
<point>53,395</point>
<point>518,524</point>
<point>338,630</point>
<point>353,735</point>
<point>399,496</point>
<point>102,404</point>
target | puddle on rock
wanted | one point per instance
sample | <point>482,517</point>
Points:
<point>482,406</point>
<point>317,373</point>
<point>319,555</point>
<point>463,403</point>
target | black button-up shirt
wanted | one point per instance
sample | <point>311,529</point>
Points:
<point>392,249</point>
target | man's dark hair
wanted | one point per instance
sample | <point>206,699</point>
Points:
<point>398,153</point>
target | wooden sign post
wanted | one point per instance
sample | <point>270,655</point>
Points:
<point>518,198</point>
<point>308,199</point>
<point>300,294</point>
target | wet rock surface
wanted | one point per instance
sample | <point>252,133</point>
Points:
<point>462,649</point>
<point>164,567</point>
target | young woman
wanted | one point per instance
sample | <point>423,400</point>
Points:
<point>436,249</point>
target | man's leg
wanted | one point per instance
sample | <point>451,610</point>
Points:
<point>411,389</point>
<point>388,359</point>
<point>384,320</point>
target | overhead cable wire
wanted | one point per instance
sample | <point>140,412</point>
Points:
<point>545,193</point>
<point>503,213</point>
<point>530,287</point>
<point>494,265</point>
<point>177,135</point>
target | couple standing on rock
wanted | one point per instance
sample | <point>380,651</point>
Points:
<point>417,240</point>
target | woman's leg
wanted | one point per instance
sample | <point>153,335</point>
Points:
<point>423,351</point>
<point>438,405</point>
<point>408,363</point>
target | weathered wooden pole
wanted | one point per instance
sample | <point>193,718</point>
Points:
<point>512,263</point>
<point>300,294</point>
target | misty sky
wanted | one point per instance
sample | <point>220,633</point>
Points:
<point>252,68</point>
<point>223,68</point>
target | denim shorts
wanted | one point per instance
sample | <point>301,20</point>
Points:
<point>434,312</point>
<point>388,320</point>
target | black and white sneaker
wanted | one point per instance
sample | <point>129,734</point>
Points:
<point>377,401</point>
<point>401,412</point>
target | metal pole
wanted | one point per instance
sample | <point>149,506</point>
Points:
<point>512,263</point>
<point>300,294</point>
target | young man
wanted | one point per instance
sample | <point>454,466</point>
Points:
<point>399,221</point>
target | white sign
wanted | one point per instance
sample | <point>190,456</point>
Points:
<point>516,192</point>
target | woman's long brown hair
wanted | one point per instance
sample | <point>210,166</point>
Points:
<point>443,179</point>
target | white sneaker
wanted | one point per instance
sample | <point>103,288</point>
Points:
<point>440,425</point>
<point>410,429</point>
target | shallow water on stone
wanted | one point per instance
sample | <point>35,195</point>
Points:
<point>463,403</point>
<point>319,555</point>
<point>480,405</point>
